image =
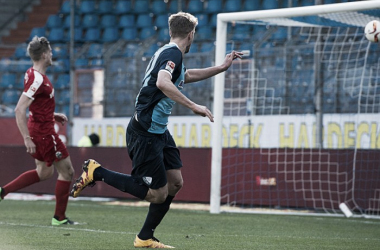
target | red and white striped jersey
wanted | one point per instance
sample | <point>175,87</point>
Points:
<point>41,112</point>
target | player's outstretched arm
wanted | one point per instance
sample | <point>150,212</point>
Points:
<point>195,75</point>
<point>167,87</point>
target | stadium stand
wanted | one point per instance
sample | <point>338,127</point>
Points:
<point>232,5</point>
<point>126,30</point>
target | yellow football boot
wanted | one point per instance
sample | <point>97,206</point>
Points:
<point>151,243</point>
<point>86,179</point>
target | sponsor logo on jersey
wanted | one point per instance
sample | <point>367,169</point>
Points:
<point>147,180</point>
<point>170,66</point>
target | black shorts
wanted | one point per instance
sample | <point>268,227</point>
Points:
<point>151,155</point>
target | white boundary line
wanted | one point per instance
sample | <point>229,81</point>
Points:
<point>134,233</point>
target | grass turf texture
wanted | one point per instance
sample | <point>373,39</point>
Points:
<point>25,225</point>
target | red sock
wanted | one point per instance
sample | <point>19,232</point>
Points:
<point>25,179</point>
<point>62,190</point>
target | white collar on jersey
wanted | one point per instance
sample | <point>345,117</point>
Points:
<point>174,44</point>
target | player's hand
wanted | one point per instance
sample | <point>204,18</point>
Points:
<point>61,118</point>
<point>203,111</point>
<point>230,57</point>
<point>29,144</point>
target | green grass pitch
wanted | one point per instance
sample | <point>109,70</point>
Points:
<point>25,225</point>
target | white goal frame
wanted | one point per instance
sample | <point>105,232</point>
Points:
<point>220,51</point>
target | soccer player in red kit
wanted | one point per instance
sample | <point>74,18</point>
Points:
<point>40,138</point>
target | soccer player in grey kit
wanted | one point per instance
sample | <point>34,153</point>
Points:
<point>156,165</point>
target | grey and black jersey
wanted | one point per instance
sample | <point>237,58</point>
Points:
<point>152,106</point>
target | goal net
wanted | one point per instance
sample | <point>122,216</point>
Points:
<point>297,127</point>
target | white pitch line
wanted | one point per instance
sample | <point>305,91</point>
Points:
<point>191,235</point>
<point>65,228</point>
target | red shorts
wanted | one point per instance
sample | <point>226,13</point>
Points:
<point>49,149</point>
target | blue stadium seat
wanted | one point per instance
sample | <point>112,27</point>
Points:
<point>8,80</point>
<point>20,82</point>
<point>95,50</point>
<point>207,47</point>
<point>22,66</point>
<point>259,30</point>
<point>307,2</point>
<point>39,31</point>
<point>21,51</point>
<point>59,50</point>
<point>146,33</point>
<point>162,21</point>
<point>92,35</point>
<point>62,82</point>
<point>130,50</point>
<point>194,6</point>
<point>241,32</point>
<point>173,7</point>
<point>5,64</point>
<point>96,63</point>
<point>90,21</point>
<point>56,35</point>
<point>78,35</point>
<point>108,21</point>
<point>50,76</point>
<point>141,6</point>
<point>194,48</point>
<point>151,50</point>
<point>202,19</point>
<point>158,7</point>
<point>10,96</point>
<point>129,34</point>
<point>54,21</point>
<point>81,63</point>
<point>124,96</point>
<point>251,5</point>
<point>144,20</point>
<point>280,35</point>
<point>87,6</point>
<point>270,4</point>
<point>213,20</point>
<point>230,47</point>
<point>110,34</point>
<point>205,33</point>
<point>67,20</point>
<point>163,34</point>
<point>65,8</point>
<point>119,81</point>
<point>105,7</point>
<point>123,7</point>
<point>233,5</point>
<point>110,109</point>
<point>127,20</point>
<point>65,109</point>
<point>63,97</point>
<point>61,66</point>
<point>213,6</point>
<point>117,65</point>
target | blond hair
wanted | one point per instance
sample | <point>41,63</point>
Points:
<point>181,24</point>
<point>37,47</point>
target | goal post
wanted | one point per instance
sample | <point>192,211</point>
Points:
<point>298,163</point>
